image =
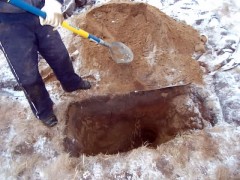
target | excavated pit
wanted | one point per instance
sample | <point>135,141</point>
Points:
<point>113,124</point>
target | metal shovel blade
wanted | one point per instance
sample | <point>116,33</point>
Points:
<point>120,53</point>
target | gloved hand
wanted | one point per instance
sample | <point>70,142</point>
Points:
<point>54,13</point>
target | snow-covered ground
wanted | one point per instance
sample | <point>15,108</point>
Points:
<point>220,22</point>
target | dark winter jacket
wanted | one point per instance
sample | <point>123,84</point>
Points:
<point>8,8</point>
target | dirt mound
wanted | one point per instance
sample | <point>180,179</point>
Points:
<point>162,48</point>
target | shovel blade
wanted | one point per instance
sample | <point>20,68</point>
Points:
<point>120,53</point>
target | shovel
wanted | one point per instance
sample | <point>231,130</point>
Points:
<point>119,52</point>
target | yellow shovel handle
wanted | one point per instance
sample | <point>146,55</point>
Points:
<point>75,30</point>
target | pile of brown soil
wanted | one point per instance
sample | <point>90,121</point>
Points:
<point>162,48</point>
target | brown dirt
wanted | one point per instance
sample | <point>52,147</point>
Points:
<point>162,48</point>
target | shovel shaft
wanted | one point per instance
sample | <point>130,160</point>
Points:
<point>27,7</point>
<point>81,32</point>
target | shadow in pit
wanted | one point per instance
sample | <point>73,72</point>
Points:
<point>112,124</point>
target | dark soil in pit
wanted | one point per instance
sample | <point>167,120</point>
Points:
<point>120,123</point>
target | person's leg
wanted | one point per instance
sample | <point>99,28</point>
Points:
<point>55,53</point>
<point>18,43</point>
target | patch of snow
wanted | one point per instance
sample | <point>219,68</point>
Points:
<point>6,73</point>
<point>11,135</point>
<point>98,171</point>
<point>43,147</point>
<point>152,56</point>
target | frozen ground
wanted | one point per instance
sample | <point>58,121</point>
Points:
<point>212,153</point>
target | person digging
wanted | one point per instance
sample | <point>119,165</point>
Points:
<point>24,35</point>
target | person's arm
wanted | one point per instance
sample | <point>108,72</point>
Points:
<point>54,13</point>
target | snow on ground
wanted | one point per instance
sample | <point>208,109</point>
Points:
<point>182,158</point>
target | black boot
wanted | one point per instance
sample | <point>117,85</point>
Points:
<point>83,85</point>
<point>50,121</point>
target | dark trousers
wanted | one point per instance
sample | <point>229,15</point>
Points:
<point>21,39</point>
